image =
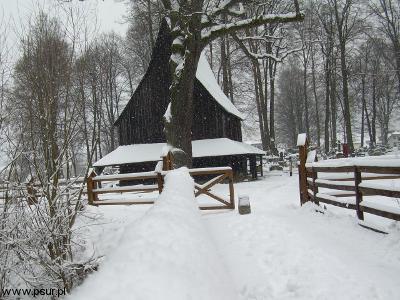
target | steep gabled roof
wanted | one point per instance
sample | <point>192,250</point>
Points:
<point>206,77</point>
<point>204,74</point>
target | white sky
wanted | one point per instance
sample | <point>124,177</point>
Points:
<point>107,14</point>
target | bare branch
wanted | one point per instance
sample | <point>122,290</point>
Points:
<point>223,29</point>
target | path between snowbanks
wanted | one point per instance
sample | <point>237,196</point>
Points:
<point>166,254</point>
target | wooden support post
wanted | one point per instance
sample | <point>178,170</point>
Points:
<point>261,166</point>
<point>303,173</point>
<point>160,182</point>
<point>253,167</point>
<point>357,181</point>
<point>167,162</point>
<point>231,190</point>
<point>90,186</point>
<point>315,188</point>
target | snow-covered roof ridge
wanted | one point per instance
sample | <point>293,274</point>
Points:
<point>207,78</point>
<point>152,152</point>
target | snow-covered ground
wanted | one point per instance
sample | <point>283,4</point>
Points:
<point>279,251</point>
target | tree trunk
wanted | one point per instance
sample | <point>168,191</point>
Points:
<point>333,103</point>
<point>259,108</point>
<point>346,101</point>
<point>272,72</point>
<point>305,94</point>
<point>316,100</point>
<point>373,121</point>
<point>327,104</point>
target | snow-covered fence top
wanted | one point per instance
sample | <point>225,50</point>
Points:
<point>167,254</point>
<point>387,161</point>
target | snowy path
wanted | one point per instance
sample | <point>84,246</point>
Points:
<point>282,251</point>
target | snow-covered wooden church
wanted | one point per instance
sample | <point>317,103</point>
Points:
<point>216,131</point>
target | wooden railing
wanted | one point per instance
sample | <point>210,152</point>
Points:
<point>348,185</point>
<point>32,190</point>
<point>95,187</point>
<point>350,190</point>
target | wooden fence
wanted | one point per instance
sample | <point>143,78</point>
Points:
<point>205,179</point>
<point>95,187</point>
<point>348,185</point>
<point>32,190</point>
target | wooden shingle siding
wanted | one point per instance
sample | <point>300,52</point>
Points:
<point>141,121</point>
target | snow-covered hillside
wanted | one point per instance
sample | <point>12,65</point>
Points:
<point>279,251</point>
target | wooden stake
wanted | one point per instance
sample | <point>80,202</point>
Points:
<point>359,197</point>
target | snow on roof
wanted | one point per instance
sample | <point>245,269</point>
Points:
<point>206,76</point>
<point>152,152</point>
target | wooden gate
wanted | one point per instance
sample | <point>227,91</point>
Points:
<point>104,184</point>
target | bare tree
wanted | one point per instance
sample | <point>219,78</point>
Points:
<point>192,32</point>
<point>388,15</point>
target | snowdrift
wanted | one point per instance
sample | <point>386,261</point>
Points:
<point>166,254</point>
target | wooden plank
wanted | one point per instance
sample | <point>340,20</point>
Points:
<point>143,188</point>
<point>231,190</point>
<point>334,186</point>
<point>303,173</point>
<point>214,207</point>
<point>364,225</point>
<point>125,177</point>
<point>209,171</point>
<point>343,169</point>
<point>381,213</point>
<point>346,169</point>
<point>160,183</point>
<point>379,170</point>
<point>331,202</point>
<point>315,187</point>
<point>215,197</point>
<point>366,191</point>
<point>359,196</point>
<point>209,184</point>
<point>111,202</point>
<point>364,178</point>
<point>339,204</point>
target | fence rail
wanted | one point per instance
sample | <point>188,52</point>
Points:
<point>32,190</point>
<point>348,186</point>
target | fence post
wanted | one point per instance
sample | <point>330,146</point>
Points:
<point>167,162</point>
<point>315,188</point>
<point>302,143</point>
<point>231,190</point>
<point>90,186</point>
<point>160,182</point>
<point>359,197</point>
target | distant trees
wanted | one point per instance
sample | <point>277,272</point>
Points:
<point>344,75</point>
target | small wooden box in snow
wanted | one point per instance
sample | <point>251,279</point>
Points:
<point>244,205</point>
